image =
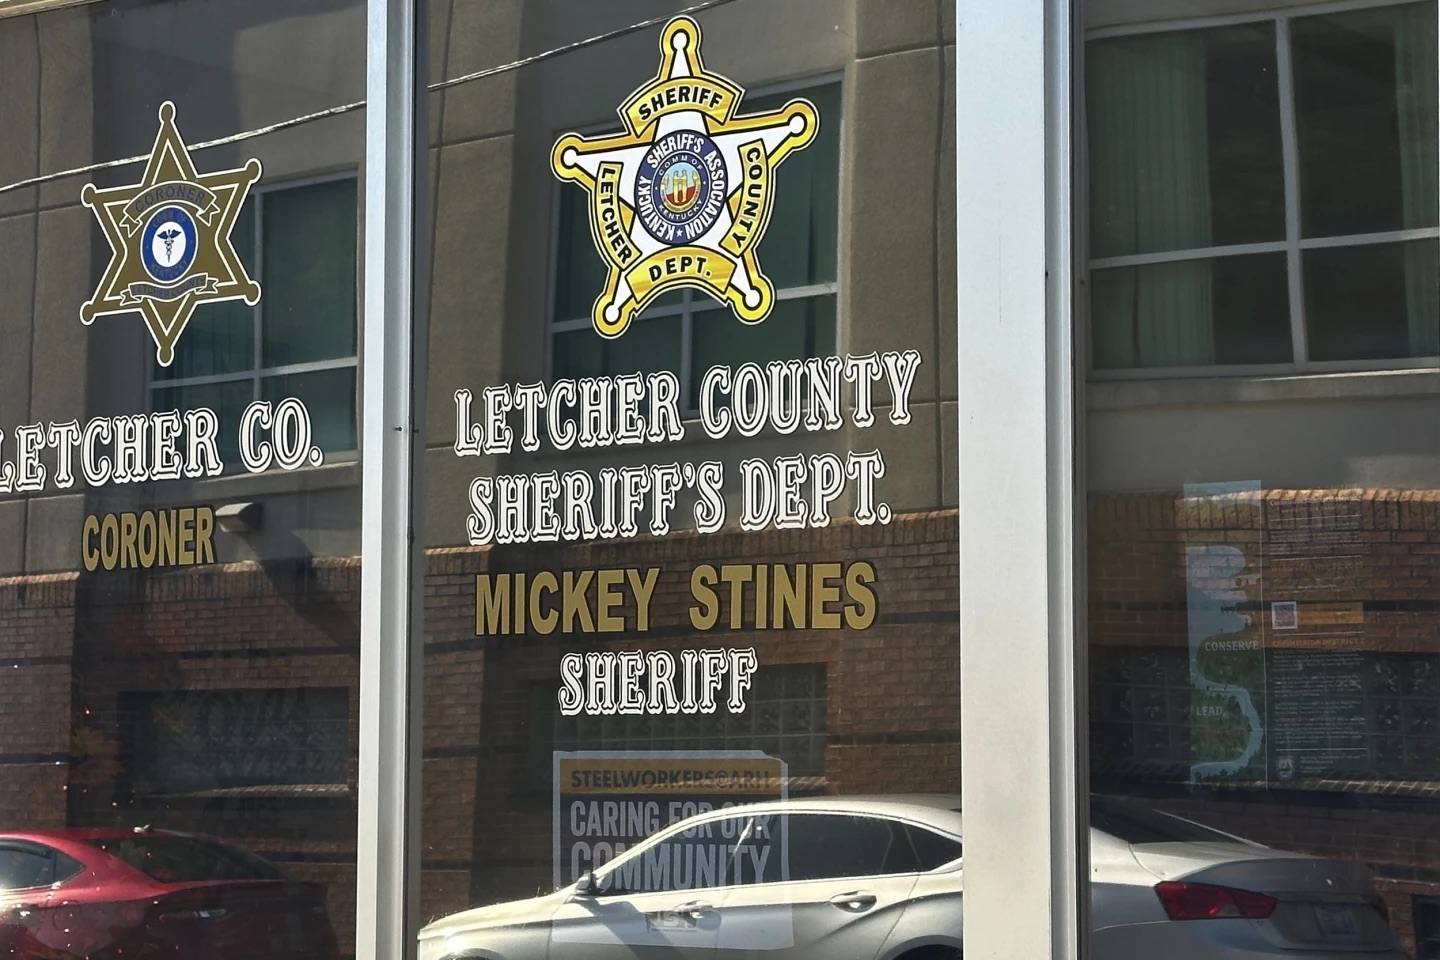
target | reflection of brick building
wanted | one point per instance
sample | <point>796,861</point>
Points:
<point>223,659</point>
<point>37,622</point>
<point>1360,566</point>
<point>888,697</point>
<point>869,711</point>
<point>889,694</point>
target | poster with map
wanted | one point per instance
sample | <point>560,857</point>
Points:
<point>1223,597</point>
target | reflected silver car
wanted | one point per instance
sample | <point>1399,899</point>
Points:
<point>880,878</point>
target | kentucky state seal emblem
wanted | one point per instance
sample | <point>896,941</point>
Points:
<point>170,240</point>
<point>682,197</point>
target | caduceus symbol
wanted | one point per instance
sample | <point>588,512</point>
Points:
<point>169,234</point>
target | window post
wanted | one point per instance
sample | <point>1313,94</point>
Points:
<point>387,863</point>
<point>1019,732</point>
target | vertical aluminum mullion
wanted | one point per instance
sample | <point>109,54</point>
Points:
<point>1073,557</point>
<point>257,318</point>
<point>1021,778</point>
<point>1290,167</point>
<point>1069,691</point>
<point>387,884</point>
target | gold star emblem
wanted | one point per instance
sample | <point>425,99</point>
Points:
<point>682,197</point>
<point>170,240</point>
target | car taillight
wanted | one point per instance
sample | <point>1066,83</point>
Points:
<point>1205,901</point>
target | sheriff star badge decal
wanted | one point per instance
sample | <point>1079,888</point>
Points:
<point>682,197</point>
<point>170,240</point>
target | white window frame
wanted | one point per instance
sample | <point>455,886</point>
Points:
<point>1293,245</point>
<point>257,373</point>
<point>692,303</point>
<point>1024,777</point>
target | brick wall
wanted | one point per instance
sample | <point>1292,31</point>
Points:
<point>75,644</point>
<point>1366,565</point>
<point>891,719</point>
<point>892,706</point>
<point>1378,548</point>
<point>37,647</point>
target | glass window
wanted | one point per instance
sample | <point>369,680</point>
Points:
<point>933,851</point>
<point>28,865</point>
<point>788,722</point>
<point>834,846</point>
<point>179,585</point>
<point>286,740</point>
<point>1261,588</point>
<point>1384,287</point>
<point>1238,310</point>
<point>1213,245</point>
<point>22,868</point>
<point>1365,120</point>
<point>647,600</point>
<point>1427,927</point>
<point>300,340</point>
<point>1185,141</point>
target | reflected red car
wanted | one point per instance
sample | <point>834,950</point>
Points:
<point>142,894</point>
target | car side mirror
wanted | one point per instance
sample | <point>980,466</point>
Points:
<point>585,886</point>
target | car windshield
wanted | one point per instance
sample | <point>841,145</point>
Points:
<point>187,859</point>
<point>1133,823</point>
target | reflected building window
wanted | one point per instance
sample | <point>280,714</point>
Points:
<point>300,243</point>
<point>290,741</point>
<point>1427,928</point>
<point>1263,194</point>
<point>785,718</point>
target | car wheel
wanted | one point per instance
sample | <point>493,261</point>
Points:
<point>931,953</point>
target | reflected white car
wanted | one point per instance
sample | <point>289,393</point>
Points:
<point>880,878</point>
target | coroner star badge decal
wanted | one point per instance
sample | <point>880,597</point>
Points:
<point>170,240</point>
<point>682,197</point>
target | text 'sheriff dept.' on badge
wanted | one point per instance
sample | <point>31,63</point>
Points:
<point>683,196</point>
<point>170,240</point>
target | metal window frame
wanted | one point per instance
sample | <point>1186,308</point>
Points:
<point>1268,246</point>
<point>1320,8</point>
<point>392,405</point>
<point>1024,789</point>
